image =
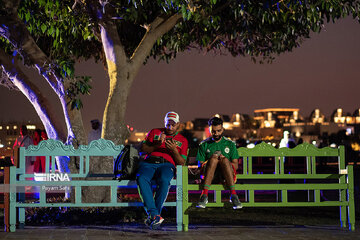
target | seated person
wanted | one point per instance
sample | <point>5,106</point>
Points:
<point>219,160</point>
<point>165,149</point>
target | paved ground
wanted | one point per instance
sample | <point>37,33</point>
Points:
<point>196,232</point>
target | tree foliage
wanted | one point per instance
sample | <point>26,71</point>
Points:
<point>67,28</point>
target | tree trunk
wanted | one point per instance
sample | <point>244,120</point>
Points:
<point>76,120</point>
<point>114,127</point>
<point>77,124</point>
<point>122,71</point>
<point>48,117</point>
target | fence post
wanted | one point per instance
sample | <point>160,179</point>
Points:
<point>342,192</point>
<point>351,206</point>
<point>185,193</point>
<point>6,198</point>
<point>22,164</point>
<point>309,171</point>
<point>12,200</point>
<point>179,197</point>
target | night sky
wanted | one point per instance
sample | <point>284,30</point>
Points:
<point>323,73</point>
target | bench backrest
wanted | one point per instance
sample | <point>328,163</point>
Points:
<point>54,148</point>
<point>309,151</point>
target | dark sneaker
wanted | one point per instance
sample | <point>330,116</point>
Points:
<point>203,201</point>
<point>235,201</point>
<point>148,221</point>
<point>157,222</point>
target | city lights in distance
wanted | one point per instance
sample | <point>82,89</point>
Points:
<point>226,125</point>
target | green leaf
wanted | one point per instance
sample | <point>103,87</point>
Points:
<point>51,31</point>
<point>27,16</point>
<point>86,35</point>
<point>43,28</point>
<point>55,44</point>
<point>183,11</point>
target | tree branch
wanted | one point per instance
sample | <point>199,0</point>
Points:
<point>157,28</point>
<point>31,92</point>
<point>113,48</point>
<point>6,82</point>
<point>13,29</point>
<point>11,6</point>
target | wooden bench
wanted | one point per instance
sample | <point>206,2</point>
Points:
<point>282,182</point>
<point>51,149</point>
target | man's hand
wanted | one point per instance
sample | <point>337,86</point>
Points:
<point>171,145</point>
<point>162,137</point>
<point>218,155</point>
<point>150,147</point>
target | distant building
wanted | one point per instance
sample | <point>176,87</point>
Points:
<point>338,116</point>
<point>269,124</point>
<point>276,117</point>
<point>317,117</point>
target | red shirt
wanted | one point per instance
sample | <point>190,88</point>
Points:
<point>154,135</point>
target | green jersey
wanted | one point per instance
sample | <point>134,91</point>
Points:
<point>208,147</point>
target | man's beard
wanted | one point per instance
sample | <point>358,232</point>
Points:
<point>216,138</point>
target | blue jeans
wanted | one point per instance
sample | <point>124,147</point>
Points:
<point>162,174</point>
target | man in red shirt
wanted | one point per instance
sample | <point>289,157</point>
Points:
<point>165,149</point>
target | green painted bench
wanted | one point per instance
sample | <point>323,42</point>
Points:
<point>51,149</point>
<point>282,182</point>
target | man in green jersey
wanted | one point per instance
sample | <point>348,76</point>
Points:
<point>219,161</point>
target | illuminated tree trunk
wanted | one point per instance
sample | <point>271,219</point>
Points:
<point>48,117</point>
<point>15,31</point>
<point>34,95</point>
<point>122,71</point>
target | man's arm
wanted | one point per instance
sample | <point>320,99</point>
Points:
<point>235,156</point>
<point>235,163</point>
<point>200,156</point>
<point>150,146</point>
